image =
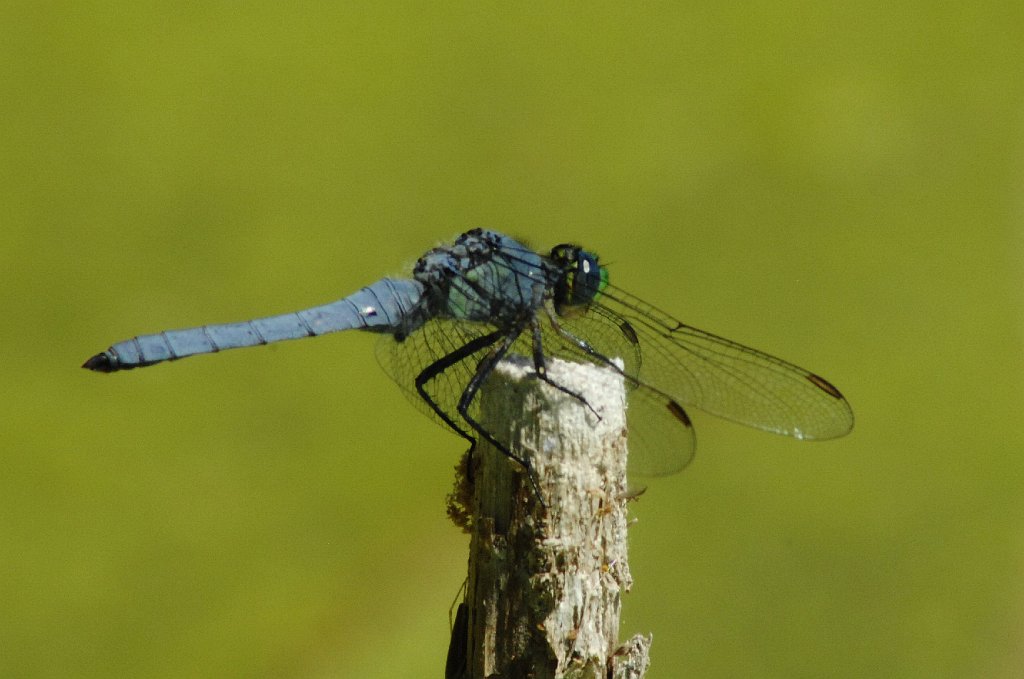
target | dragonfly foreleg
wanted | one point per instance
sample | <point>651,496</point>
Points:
<point>540,366</point>
<point>589,351</point>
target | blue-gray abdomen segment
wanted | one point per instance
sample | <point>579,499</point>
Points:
<point>389,305</point>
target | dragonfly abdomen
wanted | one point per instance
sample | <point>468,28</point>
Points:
<point>389,305</point>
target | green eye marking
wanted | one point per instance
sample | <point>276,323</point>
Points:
<point>604,280</point>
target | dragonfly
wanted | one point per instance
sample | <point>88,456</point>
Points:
<point>486,297</point>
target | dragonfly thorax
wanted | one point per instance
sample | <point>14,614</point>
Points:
<point>483,277</point>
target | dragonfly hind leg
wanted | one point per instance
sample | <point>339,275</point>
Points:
<point>438,367</point>
<point>469,393</point>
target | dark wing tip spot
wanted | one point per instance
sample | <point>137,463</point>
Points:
<point>678,413</point>
<point>824,385</point>
<point>101,363</point>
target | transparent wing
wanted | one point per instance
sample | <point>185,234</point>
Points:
<point>660,442</point>
<point>667,364</point>
<point>725,378</point>
<point>404,360</point>
<point>661,437</point>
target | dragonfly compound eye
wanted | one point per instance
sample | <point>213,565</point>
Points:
<point>587,280</point>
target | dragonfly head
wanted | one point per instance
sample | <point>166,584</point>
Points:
<point>580,278</point>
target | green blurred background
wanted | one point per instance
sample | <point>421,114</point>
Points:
<point>840,184</point>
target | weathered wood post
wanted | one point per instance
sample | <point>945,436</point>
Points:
<point>546,579</point>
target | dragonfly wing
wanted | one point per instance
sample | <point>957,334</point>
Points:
<point>404,360</point>
<point>661,436</point>
<point>727,379</point>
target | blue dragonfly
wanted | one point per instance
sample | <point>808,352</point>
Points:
<point>484,297</point>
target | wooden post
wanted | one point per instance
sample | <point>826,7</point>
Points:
<point>546,579</point>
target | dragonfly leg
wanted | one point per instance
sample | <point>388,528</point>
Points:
<point>442,364</point>
<point>483,370</point>
<point>584,346</point>
<point>540,366</point>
